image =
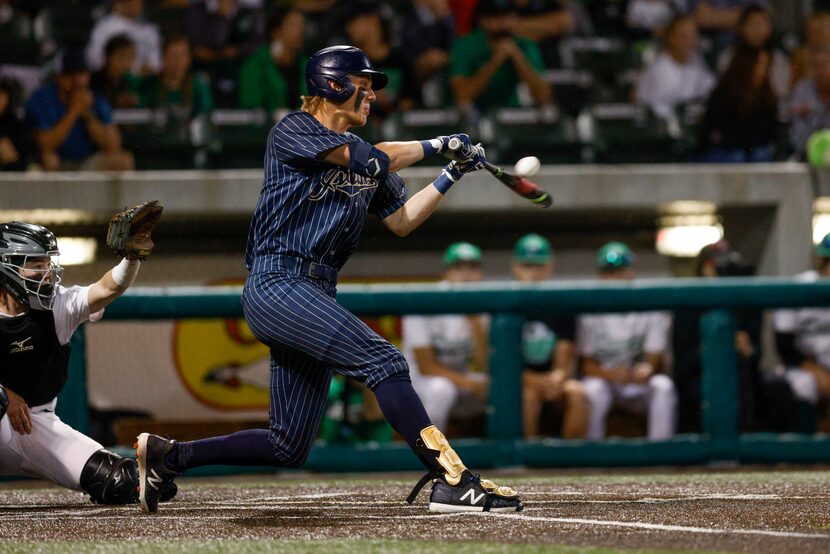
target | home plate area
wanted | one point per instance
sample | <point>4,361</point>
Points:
<point>725,511</point>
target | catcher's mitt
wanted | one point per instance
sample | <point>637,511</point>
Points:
<point>129,230</point>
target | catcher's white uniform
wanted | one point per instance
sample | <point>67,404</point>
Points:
<point>53,451</point>
<point>622,340</point>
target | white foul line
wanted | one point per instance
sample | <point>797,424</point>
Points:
<point>661,527</point>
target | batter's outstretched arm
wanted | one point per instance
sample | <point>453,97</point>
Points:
<point>416,210</point>
<point>401,154</point>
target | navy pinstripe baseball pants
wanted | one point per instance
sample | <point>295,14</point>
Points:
<point>310,335</point>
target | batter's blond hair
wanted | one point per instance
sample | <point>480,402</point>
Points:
<point>311,104</point>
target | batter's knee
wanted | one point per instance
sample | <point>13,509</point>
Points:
<point>390,365</point>
<point>288,454</point>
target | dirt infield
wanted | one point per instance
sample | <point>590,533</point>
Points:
<point>720,511</point>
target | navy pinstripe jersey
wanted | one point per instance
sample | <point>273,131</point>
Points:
<point>309,208</point>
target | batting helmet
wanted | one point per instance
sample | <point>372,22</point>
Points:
<point>613,256</point>
<point>19,242</point>
<point>335,64</point>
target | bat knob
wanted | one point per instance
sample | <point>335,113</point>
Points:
<point>454,144</point>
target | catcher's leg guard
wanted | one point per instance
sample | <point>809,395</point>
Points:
<point>110,479</point>
<point>455,488</point>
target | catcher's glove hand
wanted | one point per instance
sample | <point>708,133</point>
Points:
<point>129,230</point>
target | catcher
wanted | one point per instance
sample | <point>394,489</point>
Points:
<point>37,319</point>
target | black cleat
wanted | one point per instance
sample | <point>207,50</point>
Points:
<point>472,494</point>
<point>155,481</point>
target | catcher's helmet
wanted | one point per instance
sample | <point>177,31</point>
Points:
<point>20,242</point>
<point>336,63</point>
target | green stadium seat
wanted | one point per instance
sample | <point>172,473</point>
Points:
<point>571,89</point>
<point>18,45</point>
<point>424,124</point>
<point>513,133</point>
<point>160,141</point>
<point>67,23</point>
<point>238,138</point>
<point>630,133</point>
<point>605,58</point>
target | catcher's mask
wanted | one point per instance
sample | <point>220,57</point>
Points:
<point>27,268</point>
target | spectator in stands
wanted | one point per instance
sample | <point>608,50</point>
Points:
<point>15,146</point>
<point>545,22</point>
<point>487,64</point>
<point>447,354</point>
<point>72,125</point>
<point>113,80</point>
<point>623,355</point>
<point>223,30</point>
<point>679,74</point>
<point>754,30</point>
<point>125,19</point>
<point>817,37</point>
<point>719,18</point>
<point>802,337</point>
<point>765,399</point>
<point>548,351</point>
<point>648,18</point>
<point>426,41</point>
<point>187,95</point>
<point>272,77</point>
<point>809,104</point>
<point>369,28</point>
<point>741,119</point>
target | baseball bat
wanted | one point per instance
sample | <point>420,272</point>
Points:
<point>522,186</point>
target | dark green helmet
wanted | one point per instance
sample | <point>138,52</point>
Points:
<point>823,248</point>
<point>532,249</point>
<point>461,252</point>
<point>614,255</point>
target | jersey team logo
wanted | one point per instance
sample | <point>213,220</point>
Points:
<point>21,346</point>
<point>340,180</point>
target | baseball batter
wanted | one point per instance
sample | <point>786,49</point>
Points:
<point>37,318</point>
<point>320,182</point>
<point>623,356</point>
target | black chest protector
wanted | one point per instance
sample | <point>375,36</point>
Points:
<point>33,363</point>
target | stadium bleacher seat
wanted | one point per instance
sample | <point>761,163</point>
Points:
<point>238,137</point>
<point>571,89</point>
<point>630,133</point>
<point>67,23</point>
<point>161,140</point>
<point>18,45</point>
<point>513,133</point>
<point>423,124</point>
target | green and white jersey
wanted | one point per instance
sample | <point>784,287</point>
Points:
<point>622,340</point>
<point>450,337</point>
<point>811,326</point>
<point>539,340</point>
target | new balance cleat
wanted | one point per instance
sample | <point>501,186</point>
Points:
<point>472,494</point>
<point>155,481</point>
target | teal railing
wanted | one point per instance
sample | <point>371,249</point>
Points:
<point>511,304</point>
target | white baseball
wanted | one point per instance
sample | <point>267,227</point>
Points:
<point>527,166</point>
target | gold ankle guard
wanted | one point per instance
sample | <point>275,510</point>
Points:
<point>448,459</point>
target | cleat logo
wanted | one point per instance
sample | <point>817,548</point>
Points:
<point>154,480</point>
<point>473,498</point>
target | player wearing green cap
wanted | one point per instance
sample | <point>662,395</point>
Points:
<point>447,354</point>
<point>548,351</point>
<point>802,337</point>
<point>622,357</point>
